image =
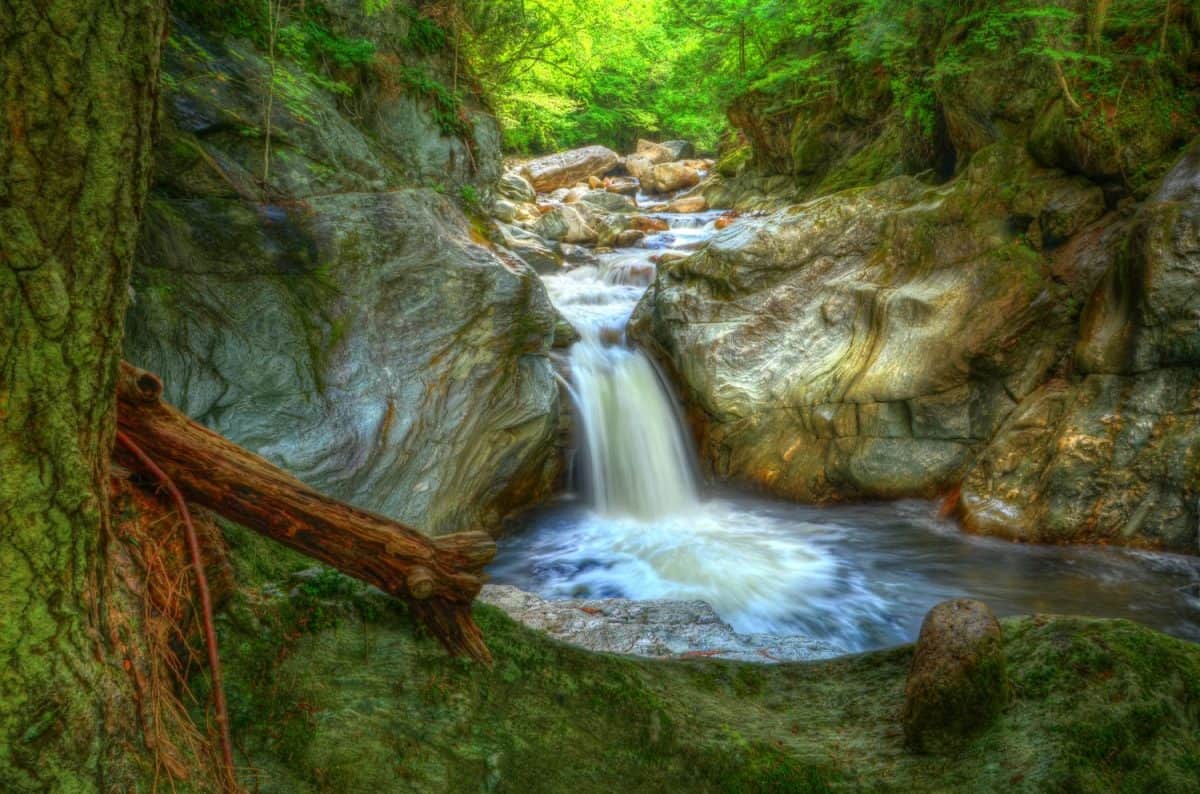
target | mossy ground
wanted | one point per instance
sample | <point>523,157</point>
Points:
<point>334,689</point>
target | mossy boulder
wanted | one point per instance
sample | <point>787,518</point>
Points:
<point>1101,91</point>
<point>957,684</point>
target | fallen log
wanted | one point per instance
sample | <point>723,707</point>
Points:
<point>437,577</point>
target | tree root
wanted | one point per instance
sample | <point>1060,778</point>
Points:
<point>229,774</point>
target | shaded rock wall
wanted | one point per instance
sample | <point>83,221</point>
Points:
<point>346,324</point>
<point>1114,453</point>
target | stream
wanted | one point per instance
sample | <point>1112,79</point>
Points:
<point>641,526</point>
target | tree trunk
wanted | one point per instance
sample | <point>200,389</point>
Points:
<point>78,85</point>
<point>438,577</point>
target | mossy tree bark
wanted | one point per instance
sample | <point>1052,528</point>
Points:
<point>78,84</point>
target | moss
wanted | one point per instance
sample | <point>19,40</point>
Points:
<point>333,689</point>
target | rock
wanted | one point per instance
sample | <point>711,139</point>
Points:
<point>578,255</point>
<point>515,187</point>
<point>362,341</point>
<point>568,223</point>
<point>609,202</point>
<point>565,334</point>
<point>575,195</point>
<point>644,223</point>
<point>958,683</point>
<point>638,166</point>
<point>679,150</point>
<point>566,168</point>
<point>654,152</point>
<point>667,257</point>
<point>629,238</point>
<point>669,177</point>
<point>658,629</point>
<point>626,186</point>
<point>842,349</point>
<point>688,204</point>
<point>595,182</point>
<point>1112,456</point>
<point>504,210</point>
<point>533,250</point>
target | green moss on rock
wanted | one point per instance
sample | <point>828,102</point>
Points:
<point>332,689</point>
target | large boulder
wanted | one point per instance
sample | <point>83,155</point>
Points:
<point>361,341</point>
<point>867,344</point>
<point>581,223</point>
<point>568,168</point>
<point>958,683</point>
<point>670,177</point>
<point>1114,455</point>
<point>654,152</point>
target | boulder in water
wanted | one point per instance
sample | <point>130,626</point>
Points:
<point>533,250</point>
<point>566,168</point>
<point>669,177</point>
<point>608,201</point>
<point>638,166</point>
<point>567,223</point>
<point>645,223</point>
<point>629,238</point>
<point>958,683</point>
<point>626,186</point>
<point>688,204</point>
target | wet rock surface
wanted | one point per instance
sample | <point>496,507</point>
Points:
<point>862,345</point>
<point>661,629</point>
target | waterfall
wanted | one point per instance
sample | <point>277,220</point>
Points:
<point>637,461</point>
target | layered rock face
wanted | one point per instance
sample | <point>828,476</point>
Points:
<point>873,343</point>
<point>863,344</point>
<point>1114,454</point>
<point>352,327</point>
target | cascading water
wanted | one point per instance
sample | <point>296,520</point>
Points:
<point>855,577</point>
<point>637,461</point>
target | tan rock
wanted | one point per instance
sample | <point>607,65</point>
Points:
<point>655,152</point>
<point>688,204</point>
<point>645,223</point>
<point>566,168</point>
<point>669,177</point>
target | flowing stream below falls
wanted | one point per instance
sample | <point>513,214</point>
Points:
<point>857,577</point>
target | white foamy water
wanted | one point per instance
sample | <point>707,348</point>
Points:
<point>634,456</point>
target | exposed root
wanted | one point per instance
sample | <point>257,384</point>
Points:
<point>228,772</point>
